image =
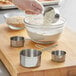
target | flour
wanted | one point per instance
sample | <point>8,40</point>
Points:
<point>41,19</point>
<point>49,17</point>
<point>45,37</point>
<point>41,29</point>
<point>45,34</point>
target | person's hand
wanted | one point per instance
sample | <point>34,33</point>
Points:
<point>29,6</point>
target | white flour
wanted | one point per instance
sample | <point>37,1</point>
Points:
<point>43,34</point>
<point>49,17</point>
<point>43,37</point>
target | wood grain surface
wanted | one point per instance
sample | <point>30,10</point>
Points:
<point>11,56</point>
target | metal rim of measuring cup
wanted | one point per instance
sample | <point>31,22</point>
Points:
<point>29,50</point>
<point>57,51</point>
<point>30,58</point>
<point>47,9</point>
<point>58,55</point>
<point>16,37</point>
<point>17,41</point>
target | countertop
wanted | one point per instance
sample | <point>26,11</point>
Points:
<point>67,10</point>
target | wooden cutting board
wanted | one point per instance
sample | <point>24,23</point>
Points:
<point>11,59</point>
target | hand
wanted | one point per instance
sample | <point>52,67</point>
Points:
<point>29,6</point>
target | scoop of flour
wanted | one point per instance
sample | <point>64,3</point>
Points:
<point>41,19</point>
<point>49,17</point>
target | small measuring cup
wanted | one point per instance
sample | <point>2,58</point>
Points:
<point>17,41</point>
<point>58,56</point>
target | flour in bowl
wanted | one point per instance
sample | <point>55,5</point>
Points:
<point>41,29</point>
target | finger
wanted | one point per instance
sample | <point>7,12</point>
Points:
<point>30,12</point>
<point>34,9</point>
<point>37,7</point>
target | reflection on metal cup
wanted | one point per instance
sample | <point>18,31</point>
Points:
<point>17,41</point>
<point>30,58</point>
<point>58,56</point>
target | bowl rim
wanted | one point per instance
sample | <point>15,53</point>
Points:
<point>6,15</point>
<point>53,25</point>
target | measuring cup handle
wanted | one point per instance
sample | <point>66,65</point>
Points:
<point>50,47</point>
<point>28,38</point>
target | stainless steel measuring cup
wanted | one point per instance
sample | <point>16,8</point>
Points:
<point>17,41</point>
<point>58,56</point>
<point>30,58</point>
<point>56,13</point>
